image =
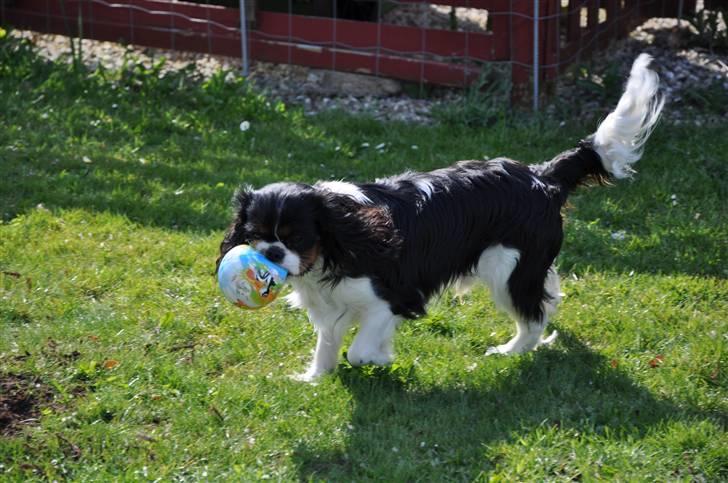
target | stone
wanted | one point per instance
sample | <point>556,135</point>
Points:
<point>356,85</point>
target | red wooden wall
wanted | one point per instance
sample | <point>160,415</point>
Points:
<point>445,57</point>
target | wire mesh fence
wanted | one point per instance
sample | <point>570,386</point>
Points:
<point>446,43</point>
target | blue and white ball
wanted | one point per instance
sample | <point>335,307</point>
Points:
<point>248,279</point>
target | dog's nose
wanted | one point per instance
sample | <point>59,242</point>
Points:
<point>275,254</point>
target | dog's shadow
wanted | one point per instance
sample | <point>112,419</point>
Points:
<point>403,432</point>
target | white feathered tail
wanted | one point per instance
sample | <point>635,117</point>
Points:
<point>620,138</point>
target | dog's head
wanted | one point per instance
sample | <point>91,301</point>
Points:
<point>294,225</point>
<point>281,221</point>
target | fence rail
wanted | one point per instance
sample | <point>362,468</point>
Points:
<point>536,38</point>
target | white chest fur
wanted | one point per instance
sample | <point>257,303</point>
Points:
<point>327,304</point>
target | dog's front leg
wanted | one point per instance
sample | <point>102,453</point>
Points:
<point>328,344</point>
<point>373,343</point>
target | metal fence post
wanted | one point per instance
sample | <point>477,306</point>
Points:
<point>244,38</point>
<point>535,54</point>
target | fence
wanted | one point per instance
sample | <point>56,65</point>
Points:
<point>445,43</point>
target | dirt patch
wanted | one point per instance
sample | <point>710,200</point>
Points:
<point>21,399</point>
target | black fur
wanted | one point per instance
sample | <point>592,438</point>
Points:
<point>236,233</point>
<point>574,167</point>
<point>354,236</point>
<point>411,244</point>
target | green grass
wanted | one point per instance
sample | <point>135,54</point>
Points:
<point>114,195</point>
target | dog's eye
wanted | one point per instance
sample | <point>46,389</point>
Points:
<point>295,239</point>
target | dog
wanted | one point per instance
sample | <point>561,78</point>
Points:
<point>375,253</point>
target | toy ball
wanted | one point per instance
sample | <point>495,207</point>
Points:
<point>248,279</point>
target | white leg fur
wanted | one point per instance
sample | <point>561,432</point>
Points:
<point>553,289</point>
<point>373,342</point>
<point>333,310</point>
<point>528,336</point>
<point>326,354</point>
<point>495,267</point>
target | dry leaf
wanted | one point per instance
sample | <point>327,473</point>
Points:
<point>657,361</point>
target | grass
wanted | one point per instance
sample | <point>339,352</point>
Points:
<point>114,195</point>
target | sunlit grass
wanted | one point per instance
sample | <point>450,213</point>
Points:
<point>115,192</point>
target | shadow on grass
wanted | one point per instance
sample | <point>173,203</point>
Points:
<point>403,433</point>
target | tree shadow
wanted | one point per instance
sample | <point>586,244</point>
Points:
<point>409,433</point>
<point>189,197</point>
<point>162,149</point>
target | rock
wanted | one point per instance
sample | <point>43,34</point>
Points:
<point>356,85</point>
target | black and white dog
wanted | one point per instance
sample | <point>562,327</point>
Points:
<point>375,253</point>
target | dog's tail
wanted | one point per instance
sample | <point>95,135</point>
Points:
<point>619,140</point>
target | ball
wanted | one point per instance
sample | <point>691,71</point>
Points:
<point>248,279</point>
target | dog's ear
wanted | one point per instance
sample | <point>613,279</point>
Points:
<point>354,235</point>
<point>241,199</point>
<point>235,234</point>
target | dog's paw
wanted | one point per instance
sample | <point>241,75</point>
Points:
<point>375,358</point>
<point>515,346</point>
<point>550,339</point>
<point>309,376</point>
<point>503,349</point>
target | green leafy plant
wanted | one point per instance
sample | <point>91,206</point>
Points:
<point>605,87</point>
<point>710,26</point>
<point>486,100</point>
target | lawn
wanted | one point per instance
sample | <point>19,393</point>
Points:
<point>124,362</point>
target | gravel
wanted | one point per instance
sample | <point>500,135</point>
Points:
<point>425,15</point>
<point>682,68</point>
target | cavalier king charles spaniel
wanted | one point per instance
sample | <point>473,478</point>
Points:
<point>375,253</point>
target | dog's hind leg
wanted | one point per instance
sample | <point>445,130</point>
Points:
<point>525,291</point>
<point>528,336</point>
